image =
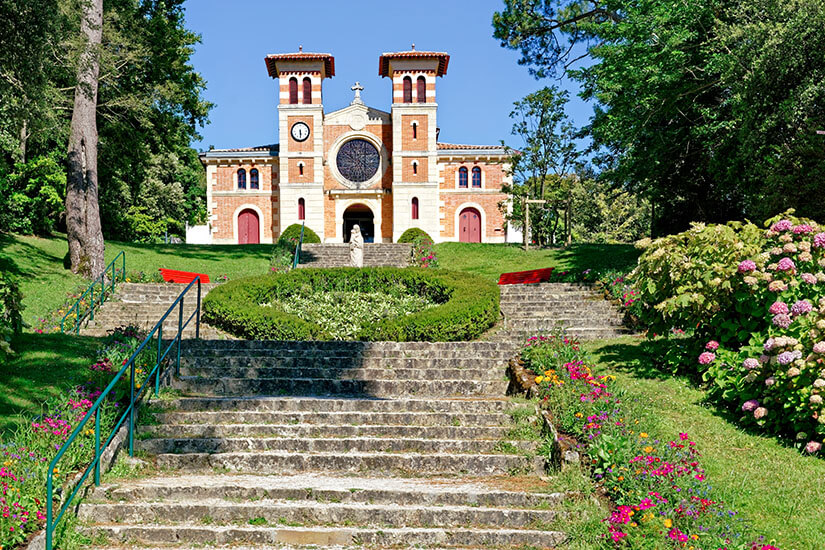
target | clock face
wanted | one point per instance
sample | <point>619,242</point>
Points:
<point>300,131</point>
<point>358,160</point>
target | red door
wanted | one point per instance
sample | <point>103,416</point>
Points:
<point>248,228</point>
<point>469,226</point>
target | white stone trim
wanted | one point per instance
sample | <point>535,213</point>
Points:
<point>481,213</point>
<point>332,153</point>
<point>341,205</point>
<point>261,221</point>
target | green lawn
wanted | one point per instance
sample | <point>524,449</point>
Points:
<point>491,260</point>
<point>44,366</point>
<point>774,486</point>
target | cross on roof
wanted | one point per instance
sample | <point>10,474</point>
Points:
<point>357,88</point>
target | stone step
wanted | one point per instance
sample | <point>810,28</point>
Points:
<point>542,322</point>
<point>494,372</point>
<point>309,512</point>
<point>418,464</point>
<point>285,357</point>
<point>327,536</point>
<point>580,333</point>
<point>328,445</point>
<point>444,431</point>
<point>449,491</point>
<point>325,386</point>
<point>342,418</point>
<point>312,406</point>
<point>281,346</point>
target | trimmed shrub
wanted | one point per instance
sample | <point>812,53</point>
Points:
<point>467,304</point>
<point>292,233</point>
<point>411,234</point>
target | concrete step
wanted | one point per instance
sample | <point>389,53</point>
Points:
<point>328,445</point>
<point>325,386</point>
<point>342,418</point>
<point>401,463</point>
<point>325,405</point>
<point>448,491</point>
<point>328,536</point>
<point>494,372</point>
<point>309,512</point>
<point>443,431</point>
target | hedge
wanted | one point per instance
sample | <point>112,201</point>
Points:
<point>292,233</point>
<point>468,304</point>
<point>412,234</point>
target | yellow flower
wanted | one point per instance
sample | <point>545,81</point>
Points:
<point>643,435</point>
<point>649,449</point>
<point>668,523</point>
<point>578,415</point>
<point>539,379</point>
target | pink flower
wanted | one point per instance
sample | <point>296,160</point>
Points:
<point>747,266</point>
<point>778,308</point>
<point>803,229</point>
<point>706,358</point>
<point>802,307</point>
<point>770,381</point>
<point>713,345</point>
<point>759,413</point>
<point>813,447</point>
<point>782,320</point>
<point>785,358</point>
<point>777,286</point>
<point>819,347</point>
<point>819,240</point>
<point>750,406</point>
<point>809,278</point>
<point>783,225</point>
<point>750,363</point>
<point>785,264</point>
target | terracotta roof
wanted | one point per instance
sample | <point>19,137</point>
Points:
<point>384,60</point>
<point>272,61</point>
<point>442,146</point>
<point>271,150</point>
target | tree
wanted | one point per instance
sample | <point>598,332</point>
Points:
<point>706,107</point>
<point>543,164</point>
<point>82,212</point>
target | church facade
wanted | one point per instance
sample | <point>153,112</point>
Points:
<point>384,171</point>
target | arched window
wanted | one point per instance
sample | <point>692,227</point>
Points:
<point>301,209</point>
<point>462,177</point>
<point>241,179</point>
<point>415,130</point>
<point>477,177</point>
<point>293,91</point>
<point>307,91</point>
<point>253,178</point>
<point>421,90</point>
<point>407,89</point>
<point>415,208</point>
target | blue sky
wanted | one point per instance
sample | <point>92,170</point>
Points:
<point>475,97</point>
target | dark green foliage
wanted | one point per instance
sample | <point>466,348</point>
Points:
<point>469,305</point>
<point>412,233</point>
<point>292,233</point>
<point>11,307</point>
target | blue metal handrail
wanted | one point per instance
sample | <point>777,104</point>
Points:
<point>101,280</point>
<point>135,394</point>
<point>300,242</point>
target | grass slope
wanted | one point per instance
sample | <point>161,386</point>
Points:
<point>778,489</point>
<point>491,260</point>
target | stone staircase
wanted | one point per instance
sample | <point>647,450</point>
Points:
<point>143,304</point>
<point>333,444</point>
<point>534,309</point>
<point>337,255</point>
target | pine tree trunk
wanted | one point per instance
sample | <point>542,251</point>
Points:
<point>82,211</point>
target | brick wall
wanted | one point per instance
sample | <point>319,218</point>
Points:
<point>492,177</point>
<point>407,141</point>
<point>307,144</point>
<point>223,226</point>
<point>488,202</point>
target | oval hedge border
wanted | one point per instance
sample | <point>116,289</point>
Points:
<point>468,304</point>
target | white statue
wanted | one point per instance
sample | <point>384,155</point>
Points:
<point>356,247</point>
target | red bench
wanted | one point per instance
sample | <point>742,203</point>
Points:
<point>526,277</point>
<point>174,276</point>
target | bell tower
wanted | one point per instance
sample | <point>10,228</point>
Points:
<point>414,132</point>
<point>301,136</point>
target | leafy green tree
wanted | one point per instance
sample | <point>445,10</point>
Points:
<point>31,197</point>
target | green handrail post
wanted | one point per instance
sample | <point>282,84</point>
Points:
<point>132,409</point>
<point>159,355</point>
<point>180,331</point>
<point>97,448</point>
<point>296,259</point>
<point>95,300</point>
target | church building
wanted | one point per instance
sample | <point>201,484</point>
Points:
<point>386,172</point>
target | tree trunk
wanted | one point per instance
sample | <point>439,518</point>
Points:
<point>24,137</point>
<point>82,211</point>
<point>568,230</point>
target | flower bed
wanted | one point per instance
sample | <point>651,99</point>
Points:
<point>465,305</point>
<point>660,496</point>
<point>26,455</point>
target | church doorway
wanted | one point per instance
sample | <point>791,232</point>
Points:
<point>248,227</point>
<point>361,215</point>
<point>469,226</point>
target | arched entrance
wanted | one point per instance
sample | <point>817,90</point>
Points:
<point>248,227</point>
<point>362,215</point>
<point>469,226</point>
